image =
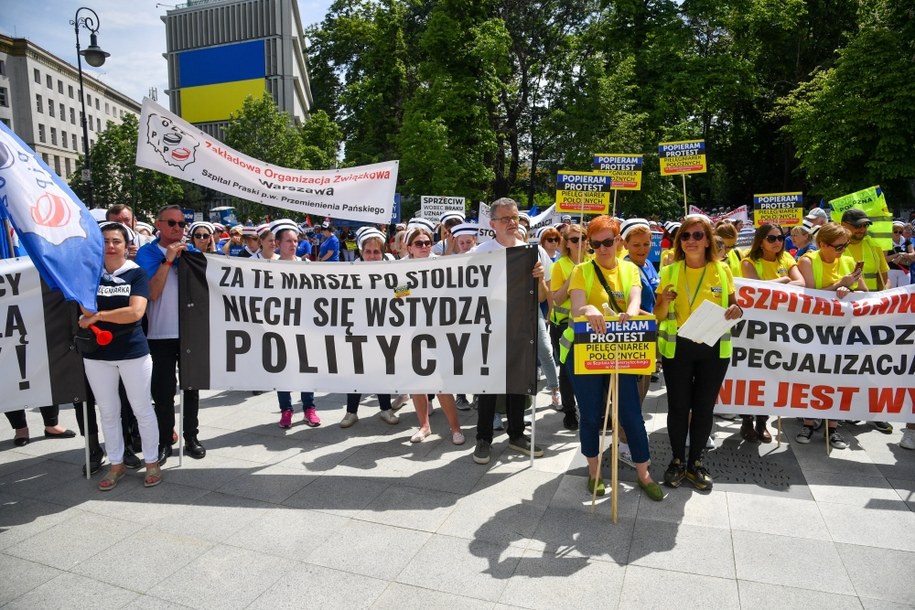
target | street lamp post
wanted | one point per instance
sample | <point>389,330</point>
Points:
<point>95,57</point>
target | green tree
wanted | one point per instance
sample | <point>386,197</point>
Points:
<point>321,139</point>
<point>116,177</point>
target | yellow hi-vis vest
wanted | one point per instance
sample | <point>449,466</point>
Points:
<point>667,329</point>
<point>845,265</point>
<point>560,313</point>
<point>568,335</point>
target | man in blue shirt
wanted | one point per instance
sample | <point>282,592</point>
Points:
<point>330,246</point>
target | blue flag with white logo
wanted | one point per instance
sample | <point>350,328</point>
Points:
<point>56,229</point>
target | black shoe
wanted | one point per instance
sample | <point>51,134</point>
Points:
<point>699,476</point>
<point>21,441</point>
<point>64,434</point>
<point>135,444</point>
<point>194,449</point>
<point>675,473</point>
<point>165,452</point>
<point>570,421</point>
<point>131,461</point>
<point>97,459</point>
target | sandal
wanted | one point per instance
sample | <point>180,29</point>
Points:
<point>110,480</point>
<point>153,476</point>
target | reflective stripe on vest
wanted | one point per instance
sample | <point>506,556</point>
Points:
<point>667,329</point>
<point>587,270</point>
<point>560,313</point>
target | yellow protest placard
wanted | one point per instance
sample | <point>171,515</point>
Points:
<point>685,157</point>
<point>628,348</point>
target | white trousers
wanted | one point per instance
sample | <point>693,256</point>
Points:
<point>103,377</point>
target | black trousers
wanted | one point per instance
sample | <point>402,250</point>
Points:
<point>164,353</point>
<point>693,377</point>
<point>486,412</point>
<point>48,416</point>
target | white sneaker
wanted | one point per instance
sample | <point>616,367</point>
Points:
<point>388,417</point>
<point>348,420</point>
<point>908,439</point>
<point>399,401</point>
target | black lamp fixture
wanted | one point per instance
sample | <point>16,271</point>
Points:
<point>95,57</point>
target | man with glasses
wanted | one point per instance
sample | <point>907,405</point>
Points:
<point>160,259</point>
<point>504,219</point>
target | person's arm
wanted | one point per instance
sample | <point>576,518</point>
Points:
<point>733,312</point>
<point>794,277</point>
<point>134,310</point>
<point>158,279</point>
<point>560,295</point>
<point>748,269</point>
<point>581,307</point>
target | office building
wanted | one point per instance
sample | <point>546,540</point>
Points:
<point>39,101</point>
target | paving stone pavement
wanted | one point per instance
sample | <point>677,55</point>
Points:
<point>333,518</point>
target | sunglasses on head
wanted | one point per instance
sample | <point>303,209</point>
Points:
<point>421,243</point>
<point>552,240</point>
<point>573,240</point>
<point>180,223</point>
<point>774,238</point>
<point>695,235</point>
<point>607,243</point>
<point>201,236</point>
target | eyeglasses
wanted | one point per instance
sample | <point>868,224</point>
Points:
<point>774,238</point>
<point>728,248</point>
<point>515,219</point>
<point>172,223</point>
<point>201,236</point>
<point>695,235</point>
<point>552,240</point>
<point>838,248</point>
<point>897,232</point>
<point>573,240</point>
<point>607,243</point>
<point>421,243</point>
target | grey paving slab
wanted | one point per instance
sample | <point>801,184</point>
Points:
<point>21,576</point>
<point>879,604</point>
<point>214,517</point>
<point>682,548</point>
<point>148,602</point>
<point>339,493</point>
<point>406,597</point>
<point>759,596</point>
<point>553,582</point>
<point>142,505</point>
<point>687,506</point>
<point>21,518</point>
<point>781,560</point>
<point>580,533</point>
<point>472,568</point>
<point>272,484</point>
<point>311,586</point>
<point>780,516</point>
<point>370,549</point>
<point>223,577</point>
<point>887,529</point>
<point>289,533</point>
<point>649,588</point>
<point>411,507</point>
<point>850,488</point>
<point>880,574</point>
<point>73,540</point>
<point>73,591</point>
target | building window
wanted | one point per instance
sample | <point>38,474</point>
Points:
<point>90,122</point>
<point>62,115</point>
<point>96,103</point>
<point>50,108</point>
<point>57,164</point>
<point>98,124</point>
<point>37,76</point>
<point>60,86</point>
<point>72,116</point>
<point>49,81</point>
<point>5,121</point>
<point>73,139</point>
<point>67,165</point>
<point>63,139</point>
<point>38,104</point>
<point>4,100</point>
<point>54,136</point>
<point>107,108</point>
<point>44,157</point>
<point>2,68</point>
<point>41,133</point>
<point>70,91</point>
<point>88,100</point>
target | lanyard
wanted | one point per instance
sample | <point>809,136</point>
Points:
<point>698,288</point>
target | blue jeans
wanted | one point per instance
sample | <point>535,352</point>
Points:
<point>285,398</point>
<point>589,392</point>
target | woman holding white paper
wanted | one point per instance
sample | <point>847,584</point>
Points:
<point>607,280</point>
<point>693,371</point>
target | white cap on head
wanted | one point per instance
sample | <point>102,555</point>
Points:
<point>632,223</point>
<point>198,225</point>
<point>249,232</point>
<point>282,224</point>
<point>524,216</point>
<point>565,217</point>
<point>466,228</point>
<point>451,215</point>
<point>369,233</point>
<point>145,226</point>
<point>421,223</point>
<point>671,226</point>
<point>131,235</point>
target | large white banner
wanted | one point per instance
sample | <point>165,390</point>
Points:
<point>172,146</point>
<point>805,353</point>
<point>463,323</point>
<point>38,367</point>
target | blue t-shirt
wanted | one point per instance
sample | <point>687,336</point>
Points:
<point>114,292</point>
<point>331,244</point>
<point>150,256</point>
<point>650,281</point>
<point>303,249</point>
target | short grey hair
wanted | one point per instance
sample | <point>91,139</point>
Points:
<point>501,202</point>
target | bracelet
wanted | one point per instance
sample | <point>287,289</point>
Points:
<point>165,261</point>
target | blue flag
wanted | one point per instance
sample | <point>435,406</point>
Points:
<point>54,226</point>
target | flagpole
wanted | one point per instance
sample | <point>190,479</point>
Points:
<point>6,247</point>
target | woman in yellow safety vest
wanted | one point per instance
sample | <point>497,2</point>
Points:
<point>693,372</point>
<point>768,261</point>
<point>830,268</point>
<point>572,249</point>
<point>608,281</point>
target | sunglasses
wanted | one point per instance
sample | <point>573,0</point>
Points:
<point>552,240</point>
<point>573,240</point>
<point>201,236</point>
<point>172,223</point>
<point>421,243</point>
<point>607,243</point>
<point>897,232</point>
<point>695,235</point>
<point>514,219</point>
<point>774,238</point>
<point>838,248</point>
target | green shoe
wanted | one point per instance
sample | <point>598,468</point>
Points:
<point>653,491</point>
<point>601,489</point>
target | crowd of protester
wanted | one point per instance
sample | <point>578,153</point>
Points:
<point>592,270</point>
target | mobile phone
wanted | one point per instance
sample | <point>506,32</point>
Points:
<point>859,266</point>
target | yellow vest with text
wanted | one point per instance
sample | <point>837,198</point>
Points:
<point>667,329</point>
